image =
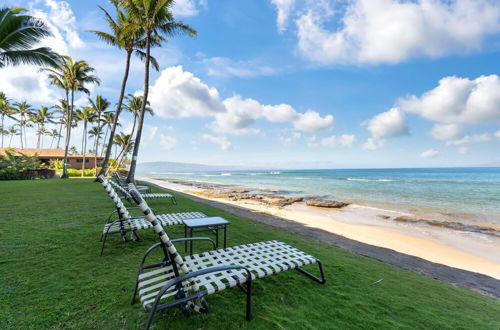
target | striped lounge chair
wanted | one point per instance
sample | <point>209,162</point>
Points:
<point>184,281</point>
<point>126,195</point>
<point>123,183</point>
<point>126,223</point>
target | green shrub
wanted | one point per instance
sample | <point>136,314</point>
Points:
<point>75,173</point>
<point>9,174</point>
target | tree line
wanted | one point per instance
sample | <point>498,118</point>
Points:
<point>135,27</point>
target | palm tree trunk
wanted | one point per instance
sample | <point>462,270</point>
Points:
<point>84,146</point>
<point>10,141</point>
<point>133,163</point>
<point>105,137</point>
<point>97,141</point>
<point>68,136</point>
<point>3,127</point>
<point>59,136</point>
<point>117,114</point>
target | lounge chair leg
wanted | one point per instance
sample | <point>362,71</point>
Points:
<point>249,301</point>
<point>321,280</point>
<point>135,292</point>
<point>150,318</point>
<point>174,201</point>
<point>103,243</point>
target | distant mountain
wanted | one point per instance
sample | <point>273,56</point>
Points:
<point>162,167</point>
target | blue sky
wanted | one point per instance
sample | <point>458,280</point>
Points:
<point>302,83</point>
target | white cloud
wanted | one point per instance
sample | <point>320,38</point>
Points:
<point>27,83</point>
<point>463,150</point>
<point>311,121</point>
<point>225,67</point>
<point>344,140</point>
<point>187,8</point>
<point>387,124</point>
<point>445,131</point>
<point>167,142</point>
<point>283,7</point>
<point>429,153</point>
<point>281,113</point>
<point>289,140</point>
<point>373,144</point>
<point>468,139</point>
<point>497,134</point>
<point>459,101</point>
<point>221,141</point>
<point>179,94</point>
<point>391,31</point>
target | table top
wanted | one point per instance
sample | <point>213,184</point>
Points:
<point>205,222</point>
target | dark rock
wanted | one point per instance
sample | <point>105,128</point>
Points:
<point>326,203</point>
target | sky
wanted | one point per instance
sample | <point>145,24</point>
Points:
<point>299,83</point>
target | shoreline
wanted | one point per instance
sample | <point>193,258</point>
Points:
<point>451,247</point>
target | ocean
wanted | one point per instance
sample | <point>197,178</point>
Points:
<point>466,195</point>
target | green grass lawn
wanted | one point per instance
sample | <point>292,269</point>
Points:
<point>51,275</point>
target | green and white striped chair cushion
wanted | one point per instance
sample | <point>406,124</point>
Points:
<point>262,259</point>
<point>167,219</point>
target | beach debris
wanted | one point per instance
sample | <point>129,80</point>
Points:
<point>326,203</point>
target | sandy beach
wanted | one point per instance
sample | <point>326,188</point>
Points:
<point>455,248</point>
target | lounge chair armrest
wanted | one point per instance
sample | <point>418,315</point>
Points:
<point>193,239</point>
<point>148,251</point>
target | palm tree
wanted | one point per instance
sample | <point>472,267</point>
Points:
<point>126,35</point>
<point>5,110</point>
<point>123,141</point>
<point>155,19</point>
<point>86,115</point>
<point>18,34</point>
<point>63,109</point>
<point>108,119</point>
<point>23,109</point>
<point>53,134</point>
<point>72,77</point>
<point>100,105</point>
<point>12,131</point>
<point>40,118</point>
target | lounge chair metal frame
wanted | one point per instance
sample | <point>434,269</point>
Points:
<point>186,281</point>
<point>125,223</point>
<point>126,195</point>
<point>123,183</point>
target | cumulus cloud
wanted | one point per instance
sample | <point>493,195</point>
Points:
<point>429,153</point>
<point>458,100</point>
<point>344,140</point>
<point>167,142</point>
<point>373,144</point>
<point>221,141</point>
<point>311,121</point>
<point>179,94</point>
<point>445,131</point>
<point>27,83</point>
<point>283,7</point>
<point>187,8</point>
<point>388,124</point>
<point>391,31</point>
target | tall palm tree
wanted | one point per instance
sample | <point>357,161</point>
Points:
<point>5,110</point>
<point>40,118</point>
<point>72,77</point>
<point>18,34</point>
<point>125,143</point>
<point>53,134</point>
<point>155,19</point>
<point>86,115</point>
<point>12,131</point>
<point>100,105</point>
<point>126,35</point>
<point>63,109</point>
<point>107,120</point>
<point>23,110</point>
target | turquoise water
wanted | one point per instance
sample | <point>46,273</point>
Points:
<point>468,195</point>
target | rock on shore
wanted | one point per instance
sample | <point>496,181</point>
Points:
<point>326,203</point>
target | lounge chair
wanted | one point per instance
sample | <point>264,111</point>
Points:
<point>126,195</point>
<point>184,281</point>
<point>126,223</point>
<point>123,183</point>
